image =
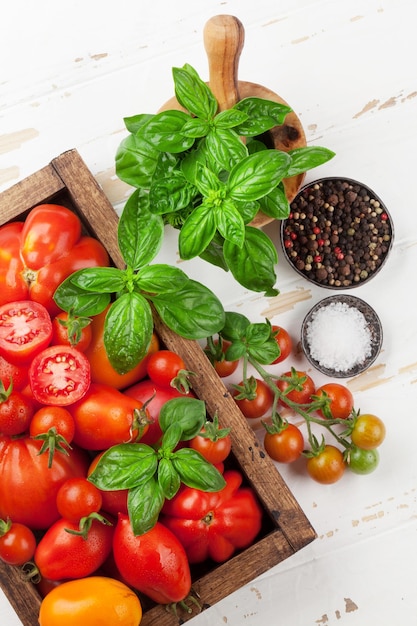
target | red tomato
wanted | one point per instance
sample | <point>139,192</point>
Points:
<point>56,417</point>
<point>214,525</point>
<point>25,330</point>
<point>17,374</point>
<point>284,341</point>
<point>286,445</point>
<point>105,417</point>
<point>218,359</point>
<point>301,395</point>
<point>61,555</point>
<point>154,396</point>
<point>59,375</point>
<point>154,563</point>
<point>16,411</point>
<point>259,404</point>
<point>28,487</point>
<point>77,498</point>
<point>214,446</point>
<point>101,369</point>
<point>163,366</point>
<point>113,502</point>
<point>328,466</point>
<point>340,399</point>
<point>71,331</point>
<point>17,543</point>
<point>40,253</point>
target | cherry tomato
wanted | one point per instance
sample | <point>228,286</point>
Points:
<point>17,374</point>
<point>25,330</point>
<point>17,543</point>
<point>284,341</point>
<point>61,555</point>
<point>57,417</point>
<point>71,331</point>
<point>154,563</point>
<point>301,395</point>
<point>25,477</point>
<point>221,364</point>
<point>77,498</point>
<point>89,602</point>
<point>340,400</point>
<point>368,431</point>
<point>163,366</point>
<point>328,466</point>
<point>101,369</point>
<point>258,405</point>
<point>59,375</point>
<point>286,445</point>
<point>113,502</point>
<point>16,411</point>
<point>213,445</point>
<point>105,416</point>
<point>362,461</point>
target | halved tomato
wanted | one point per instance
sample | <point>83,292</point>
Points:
<point>25,330</point>
<point>59,375</point>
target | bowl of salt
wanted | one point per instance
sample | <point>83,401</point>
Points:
<point>341,336</point>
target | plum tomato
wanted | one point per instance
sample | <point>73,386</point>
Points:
<point>89,602</point>
<point>328,466</point>
<point>284,341</point>
<point>17,542</point>
<point>302,393</point>
<point>285,446</point>
<point>340,400</point>
<point>257,402</point>
<point>368,431</point>
<point>59,375</point>
<point>25,330</point>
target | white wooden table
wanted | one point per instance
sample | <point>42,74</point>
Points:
<point>70,72</point>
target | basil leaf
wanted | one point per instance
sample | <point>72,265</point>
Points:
<point>257,334</point>
<point>235,326</point>
<point>258,174</point>
<point>144,504</point>
<point>230,223</point>
<point>161,278</point>
<point>164,130</point>
<point>196,472</point>
<point>214,254</point>
<point>303,159</point>
<point>206,181</point>
<point>128,331</point>
<point>207,311</point>
<point>230,118</point>
<point>252,265</point>
<point>196,128</point>
<point>99,279</point>
<point>135,122</point>
<point>197,232</point>
<point>172,437</point>
<point>275,204</point>
<point>168,478</point>
<point>69,297</point>
<point>193,93</point>
<point>124,466</point>
<point>186,412</point>
<point>236,351</point>
<point>223,148</point>
<point>265,353</point>
<point>171,193</point>
<point>262,115</point>
<point>136,161</point>
<point>247,210</point>
<point>140,233</point>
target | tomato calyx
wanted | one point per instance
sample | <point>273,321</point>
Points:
<point>5,393</point>
<point>213,431</point>
<point>86,523</point>
<point>5,526</point>
<point>140,422</point>
<point>74,326</point>
<point>52,441</point>
<point>181,382</point>
<point>173,606</point>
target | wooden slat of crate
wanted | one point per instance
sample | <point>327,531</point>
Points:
<point>67,180</point>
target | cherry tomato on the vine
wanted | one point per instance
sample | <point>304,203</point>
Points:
<point>362,461</point>
<point>257,405</point>
<point>25,330</point>
<point>17,542</point>
<point>285,446</point>
<point>300,396</point>
<point>341,400</point>
<point>59,375</point>
<point>328,466</point>
<point>284,341</point>
<point>368,431</point>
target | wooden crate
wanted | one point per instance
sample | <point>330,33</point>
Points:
<point>67,180</point>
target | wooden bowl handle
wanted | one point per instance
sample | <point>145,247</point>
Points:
<point>224,37</point>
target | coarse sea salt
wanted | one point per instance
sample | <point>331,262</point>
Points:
<point>338,337</point>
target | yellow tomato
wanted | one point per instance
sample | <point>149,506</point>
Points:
<point>101,369</point>
<point>94,601</point>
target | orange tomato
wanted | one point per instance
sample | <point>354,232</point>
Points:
<point>93,601</point>
<point>101,369</point>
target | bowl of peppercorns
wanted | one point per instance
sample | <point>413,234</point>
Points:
<point>338,234</point>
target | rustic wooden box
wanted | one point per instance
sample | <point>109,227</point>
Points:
<point>67,180</point>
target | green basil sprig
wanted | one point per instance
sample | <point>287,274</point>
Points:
<point>187,307</point>
<point>152,475</point>
<point>208,174</point>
